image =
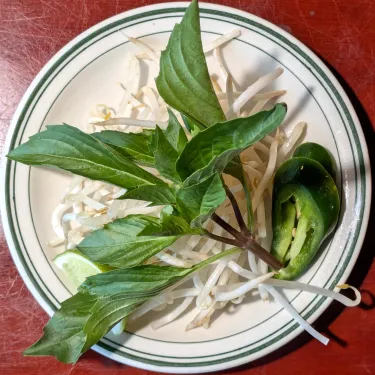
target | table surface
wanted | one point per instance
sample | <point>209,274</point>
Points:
<point>341,32</point>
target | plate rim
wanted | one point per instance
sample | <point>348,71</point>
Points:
<point>182,6</point>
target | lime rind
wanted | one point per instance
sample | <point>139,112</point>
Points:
<point>77,267</point>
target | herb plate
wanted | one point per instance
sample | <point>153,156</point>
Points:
<point>83,74</point>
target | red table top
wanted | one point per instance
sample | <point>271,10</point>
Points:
<point>342,32</point>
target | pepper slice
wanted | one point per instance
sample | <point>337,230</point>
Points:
<point>318,153</point>
<point>305,210</point>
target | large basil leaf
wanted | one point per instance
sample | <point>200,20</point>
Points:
<point>184,82</point>
<point>175,133</point>
<point>79,323</point>
<point>212,149</point>
<point>165,156</point>
<point>69,148</point>
<point>121,243</point>
<point>103,300</point>
<point>64,337</point>
<point>156,194</point>
<point>198,202</point>
<point>134,146</point>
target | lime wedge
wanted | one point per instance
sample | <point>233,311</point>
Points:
<point>77,267</point>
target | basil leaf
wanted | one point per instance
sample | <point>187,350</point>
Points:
<point>136,282</point>
<point>198,202</point>
<point>105,314</point>
<point>143,281</point>
<point>121,243</point>
<point>64,337</point>
<point>134,146</point>
<point>148,132</point>
<point>79,323</point>
<point>171,223</point>
<point>102,301</point>
<point>184,82</point>
<point>165,156</point>
<point>191,126</point>
<point>175,133</point>
<point>213,148</point>
<point>157,194</point>
<point>69,148</point>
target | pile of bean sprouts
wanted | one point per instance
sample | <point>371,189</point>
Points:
<point>88,205</point>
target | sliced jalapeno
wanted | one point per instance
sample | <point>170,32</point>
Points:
<point>305,209</point>
<point>318,153</point>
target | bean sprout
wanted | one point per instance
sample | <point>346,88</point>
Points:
<point>173,315</point>
<point>267,175</point>
<point>287,146</point>
<point>290,309</point>
<point>223,39</point>
<point>253,89</point>
<point>243,288</point>
<point>133,122</point>
<point>145,48</point>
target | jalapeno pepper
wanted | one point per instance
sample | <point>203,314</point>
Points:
<point>305,208</point>
<point>318,153</point>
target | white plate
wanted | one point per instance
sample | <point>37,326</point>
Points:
<point>83,74</point>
